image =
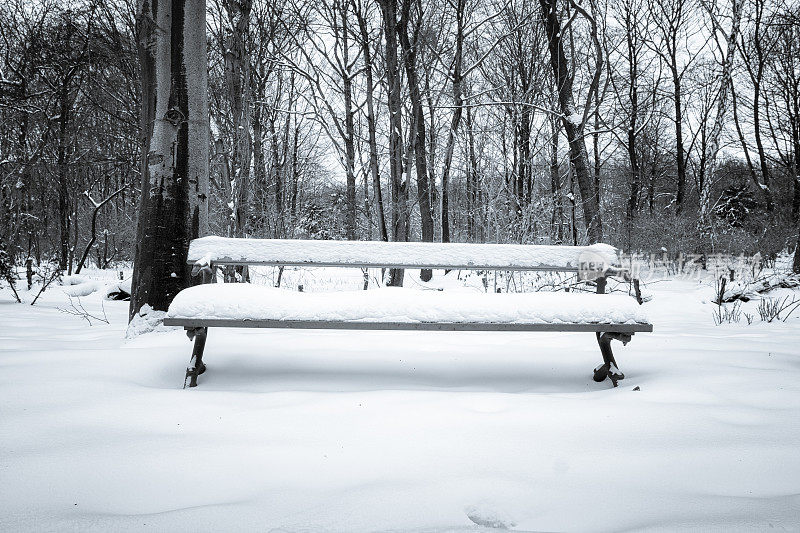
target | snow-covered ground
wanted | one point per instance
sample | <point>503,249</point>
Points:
<point>398,431</point>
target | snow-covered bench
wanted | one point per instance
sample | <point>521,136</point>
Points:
<point>610,316</point>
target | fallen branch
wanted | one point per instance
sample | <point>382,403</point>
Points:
<point>754,289</point>
<point>79,310</point>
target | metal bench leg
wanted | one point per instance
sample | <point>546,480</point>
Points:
<point>196,365</point>
<point>609,367</point>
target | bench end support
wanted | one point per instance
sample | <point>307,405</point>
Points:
<point>196,365</point>
<point>609,369</point>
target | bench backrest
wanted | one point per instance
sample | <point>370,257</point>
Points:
<point>220,251</point>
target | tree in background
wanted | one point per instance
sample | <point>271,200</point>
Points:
<point>573,119</point>
<point>68,125</point>
<point>727,51</point>
<point>408,32</point>
<point>398,186</point>
<point>339,160</point>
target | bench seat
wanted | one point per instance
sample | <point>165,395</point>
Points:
<point>247,305</point>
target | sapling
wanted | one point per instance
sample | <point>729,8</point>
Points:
<point>7,270</point>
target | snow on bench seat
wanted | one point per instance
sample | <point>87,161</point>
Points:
<point>222,250</point>
<point>246,302</point>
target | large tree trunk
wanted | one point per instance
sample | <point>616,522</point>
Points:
<point>420,136</point>
<point>572,124</point>
<point>174,205</point>
<point>399,203</point>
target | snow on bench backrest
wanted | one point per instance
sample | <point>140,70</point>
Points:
<point>377,254</point>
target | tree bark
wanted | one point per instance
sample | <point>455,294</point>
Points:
<point>237,81</point>
<point>174,205</point>
<point>64,217</point>
<point>796,264</point>
<point>399,193</point>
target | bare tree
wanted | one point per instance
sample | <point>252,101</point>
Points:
<point>728,50</point>
<point>572,118</point>
<point>367,57</point>
<point>329,67</point>
<point>755,47</point>
<point>456,75</point>
<point>237,79</point>
<point>96,207</point>
<point>630,89</point>
<point>783,115</point>
<point>408,34</point>
<point>675,45</point>
<point>399,189</point>
<point>65,87</point>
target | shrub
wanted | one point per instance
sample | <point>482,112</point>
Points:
<point>729,315</point>
<point>772,308</point>
<point>7,270</point>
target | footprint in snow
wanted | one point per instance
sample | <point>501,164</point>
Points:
<point>487,517</point>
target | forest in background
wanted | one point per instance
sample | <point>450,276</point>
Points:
<point>672,124</point>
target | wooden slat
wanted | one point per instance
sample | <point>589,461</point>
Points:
<point>379,254</point>
<point>621,272</point>
<point>410,326</point>
<point>431,266</point>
